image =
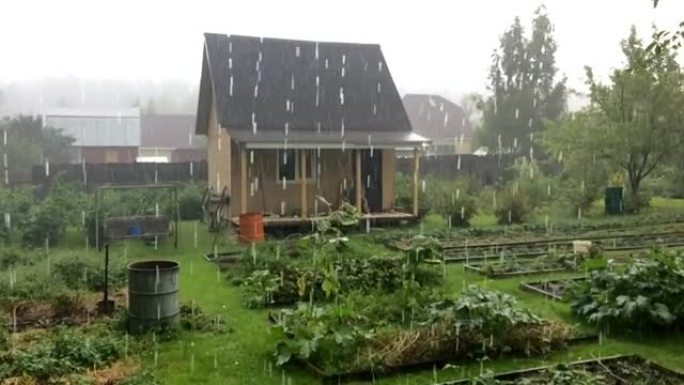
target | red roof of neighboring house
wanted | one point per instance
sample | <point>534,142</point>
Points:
<point>174,131</point>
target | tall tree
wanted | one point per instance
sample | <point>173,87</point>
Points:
<point>524,91</point>
<point>635,121</point>
<point>29,143</point>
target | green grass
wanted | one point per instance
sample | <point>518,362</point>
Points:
<point>242,355</point>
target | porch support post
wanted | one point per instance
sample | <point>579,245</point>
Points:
<point>303,186</point>
<point>357,183</point>
<point>243,180</point>
<point>416,168</point>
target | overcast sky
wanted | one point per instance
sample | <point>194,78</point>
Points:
<point>430,46</point>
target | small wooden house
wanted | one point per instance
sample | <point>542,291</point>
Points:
<point>295,127</point>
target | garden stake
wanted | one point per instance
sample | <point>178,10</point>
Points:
<point>192,357</point>
<point>194,239</point>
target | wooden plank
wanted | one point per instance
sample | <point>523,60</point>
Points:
<point>416,168</point>
<point>303,185</point>
<point>357,183</point>
<point>243,180</point>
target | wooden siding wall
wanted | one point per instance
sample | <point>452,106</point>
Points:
<point>218,154</point>
<point>269,194</point>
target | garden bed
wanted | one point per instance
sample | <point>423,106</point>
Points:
<point>613,370</point>
<point>554,289</point>
<point>514,267</point>
<point>366,337</point>
<point>535,247</point>
<point>225,259</point>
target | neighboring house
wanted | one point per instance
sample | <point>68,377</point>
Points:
<point>171,138</point>
<point>441,121</point>
<point>290,121</point>
<point>101,135</point>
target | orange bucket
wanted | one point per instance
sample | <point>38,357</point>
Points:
<point>251,227</point>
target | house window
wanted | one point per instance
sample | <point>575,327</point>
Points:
<point>288,165</point>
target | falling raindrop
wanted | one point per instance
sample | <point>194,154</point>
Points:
<point>422,185</point>
<point>379,66</point>
<point>342,96</point>
<point>446,119</point>
<point>326,63</point>
<point>292,83</point>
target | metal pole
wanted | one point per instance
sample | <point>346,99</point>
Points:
<point>177,219</point>
<point>105,300</point>
<point>97,219</point>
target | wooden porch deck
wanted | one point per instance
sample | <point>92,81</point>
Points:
<point>274,222</point>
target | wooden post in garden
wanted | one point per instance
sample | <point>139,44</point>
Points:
<point>416,167</point>
<point>357,182</point>
<point>243,180</point>
<point>303,186</point>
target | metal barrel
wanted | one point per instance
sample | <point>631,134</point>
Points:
<point>153,295</point>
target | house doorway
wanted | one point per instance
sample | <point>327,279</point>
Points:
<point>371,177</point>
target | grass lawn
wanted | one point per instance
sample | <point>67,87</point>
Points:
<point>242,355</point>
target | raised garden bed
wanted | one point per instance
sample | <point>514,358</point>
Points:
<point>515,267</point>
<point>535,247</point>
<point>225,259</point>
<point>374,373</point>
<point>613,370</point>
<point>554,289</point>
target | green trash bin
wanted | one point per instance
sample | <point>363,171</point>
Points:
<point>613,201</point>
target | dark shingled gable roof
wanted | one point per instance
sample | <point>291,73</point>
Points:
<point>270,84</point>
<point>436,117</point>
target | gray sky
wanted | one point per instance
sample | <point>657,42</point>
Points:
<point>430,46</point>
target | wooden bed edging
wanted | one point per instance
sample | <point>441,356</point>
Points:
<point>521,372</point>
<point>529,286</point>
<point>478,269</point>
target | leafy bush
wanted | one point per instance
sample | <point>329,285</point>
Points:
<point>189,203</point>
<point>80,271</point>
<point>345,337</point>
<point>513,208</point>
<point>403,195</point>
<point>12,257</point>
<point>646,295</point>
<point>461,210</point>
<point>63,353</point>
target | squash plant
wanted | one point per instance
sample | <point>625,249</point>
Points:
<point>645,295</point>
<point>355,334</point>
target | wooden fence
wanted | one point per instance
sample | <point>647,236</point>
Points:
<point>94,175</point>
<point>485,170</point>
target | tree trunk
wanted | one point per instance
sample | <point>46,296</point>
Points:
<point>634,201</point>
